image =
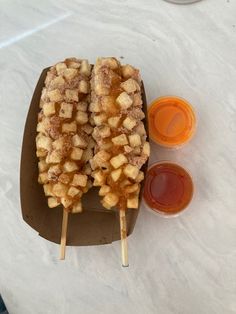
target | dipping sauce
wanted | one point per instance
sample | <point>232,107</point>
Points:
<point>172,121</point>
<point>168,188</point>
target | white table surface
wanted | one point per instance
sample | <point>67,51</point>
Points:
<point>185,265</point>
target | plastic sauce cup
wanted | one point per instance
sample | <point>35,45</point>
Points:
<point>172,121</point>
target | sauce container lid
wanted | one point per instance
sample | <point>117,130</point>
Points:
<point>172,121</point>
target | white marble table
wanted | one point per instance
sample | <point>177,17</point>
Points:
<point>185,265</point>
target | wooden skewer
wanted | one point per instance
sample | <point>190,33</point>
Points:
<point>123,237</point>
<point>63,234</point>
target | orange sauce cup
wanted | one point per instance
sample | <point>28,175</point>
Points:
<point>172,121</point>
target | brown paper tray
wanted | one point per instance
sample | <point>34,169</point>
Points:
<point>95,225</point>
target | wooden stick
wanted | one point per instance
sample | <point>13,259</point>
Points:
<point>123,237</point>
<point>63,234</point>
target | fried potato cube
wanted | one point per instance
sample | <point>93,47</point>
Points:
<point>79,141</point>
<point>120,140</point>
<point>108,103</point>
<point>110,62</point>
<point>66,110</point>
<point>139,129</point>
<point>72,95</point>
<point>69,74</point>
<point>104,131</point>
<point>132,188</point>
<point>82,106</point>
<point>131,171</point>
<point>48,189</point>
<point>79,180</point>
<point>70,166</point>
<point>87,128</point>
<point>64,178</point>
<point>130,86</point>
<point>53,157</point>
<point>81,117</point>
<point>125,183</point>
<point>61,67</point>
<point>54,172</point>
<point>85,68</point>
<point>101,157</point>
<point>135,140</point>
<point>87,155</point>
<point>118,161</point>
<point>95,106</point>
<point>100,119</point>
<point>49,108</point>
<point>43,178</point>
<point>72,192</point>
<point>57,82</point>
<point>41,153</point>
<point>133,202</point>
<point>114,122</point>
<point>104,190</point>
<point>55,95</point>
<point>140,176</point>
<point>99,178</point>
<point>59,189</point>
<point>128,149</point>
<point>129,123</point>
<point>83,87</point>
<point>73,64</point>
<point>111,199</point>
<point>115,174</point>
<point>137,150</point>
<point>137,100</point>
<point>106,145</point>
<point>76,153</point>
<point>43,142</point>
<point>58,143</point>
<point>146,149</point>
<point>77,207</point>
<point>66,202</point>
<point>53,202</point>
<point>124,101</point>
<point>42,165</point>
<point>100,88</point>
<point>43,126</point>
<point>127,71</point>
<point>69,127</point>
<point>87,169</point>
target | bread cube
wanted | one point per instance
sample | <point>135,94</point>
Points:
<point>43,142</point>
<point>129,123</point>
<point>64,178</point>
<point>42,165</point>
<point>91,143</point>
<point>83,87</point>
<point>104,131</point>
<point>59,189</point>
<point>81,117</point>
<point>115,174</point>
<point>72,192</point>
<point>61,67</point>
<point>127,71</point>
<point>118,161</point>
<point>99,178</point>
<point>69,74</point>
<point>130,86</point>
<point>48,189</point>
<point>87,128</point>
<point>101,157</point>
<point>114,122</point>
<point>70,166</point>
<point>53,202</point>
<point>87,169</point>
<point>140,176</point>
<point>79,141</point>
<point>137,150</point>
<point>124,101</point>
<point>69,127</point>
<point>43,126</point>
<point>106,145</point>
<point>87,155</point>
<point>100,119</point>
<point>135,140</point>
<point>82,106</point>
<point>59,143</point>
<point>66,202</point>
<point>133,202</point>
<point>77,208</point>
<point>120,140</point>
<point>139,129</point>
<point>125,183</point>
<point>43,178</point>
<point>85,68</point>
<point>137,100</point>
<point>100,88</point>
<point>146,149</point>
<point>108,104</point>
<point>49,109</point>
<point>91,120</point>
<point>128,149</point>
<point>41,153</point>
<point>54,172</point>
<point>73,64</point>
<point>66,110</point>
<point>76,153</point>
<point>110,62</point>
<point>55,95</point>
<point>71,95</point>
<point>104,190</point>
<point>132,188</point>
<point>131,171</point>
<point>57,82</point>
<point>95,106</point>
<point>54,157</point>
<point>79,180</point>
<point>111,199</point>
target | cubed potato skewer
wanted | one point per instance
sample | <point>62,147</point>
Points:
<point>63,137</point>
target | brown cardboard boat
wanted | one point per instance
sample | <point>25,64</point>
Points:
<point>95,225</point>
